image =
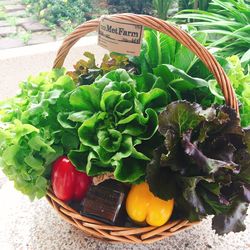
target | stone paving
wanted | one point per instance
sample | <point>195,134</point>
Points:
<point>18,28</point>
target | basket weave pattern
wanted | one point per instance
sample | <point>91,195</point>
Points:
<point>148,234</point>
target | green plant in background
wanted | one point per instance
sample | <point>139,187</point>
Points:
<point>53,33</point>
<point>162,7</point>
<point>25,37</point>
<point>2,13</point>
<point>228,24</point>
<point>194,4</point>
<point>66,14</point>
<point>131,6</point>
<point>203,4</point>
<point>11,20</point>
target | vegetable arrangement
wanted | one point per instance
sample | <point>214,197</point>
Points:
<point>152,122</point>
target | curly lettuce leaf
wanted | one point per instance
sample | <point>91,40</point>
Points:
<point>120,116</point>
<point>233,221</point>
<point>203,164</point>
<point>35,130</point>
<point>240,81</point>
<point>180,116</point>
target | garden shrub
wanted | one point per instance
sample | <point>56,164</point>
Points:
<point>70,13</point>
<point>130,6</point>
<point>64,13</point>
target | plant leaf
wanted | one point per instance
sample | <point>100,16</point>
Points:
<point>232,221</point>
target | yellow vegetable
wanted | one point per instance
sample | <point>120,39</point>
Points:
<point>143,206</point>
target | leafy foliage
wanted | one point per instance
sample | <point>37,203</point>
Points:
<point>185,77</point>
<point>130,6</point>
<point>194,4</point>
<point>67,14</point>
<point>227,22</point>
<point>241,84</point>
<point>203,164</point>
<point>33,133</point>
<point>86,71</point>
<point>116,116</point>
<point>159,48</point>
<point>176,67</point>
<point>162,7</point>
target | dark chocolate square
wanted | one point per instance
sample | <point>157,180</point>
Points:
<point>105,202</point>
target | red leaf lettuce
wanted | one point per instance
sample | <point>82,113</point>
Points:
<point>204,164</point>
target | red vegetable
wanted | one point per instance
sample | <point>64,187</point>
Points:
<point>68,183</point>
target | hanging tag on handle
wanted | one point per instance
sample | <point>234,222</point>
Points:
<point>120,36</point>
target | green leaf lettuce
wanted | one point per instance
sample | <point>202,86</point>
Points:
<point>121,116</point>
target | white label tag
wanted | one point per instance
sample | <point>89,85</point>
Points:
<point>121,37</point>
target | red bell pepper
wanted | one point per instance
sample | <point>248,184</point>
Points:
<point>69,184</point>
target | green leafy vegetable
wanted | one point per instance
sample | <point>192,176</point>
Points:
<point>241,83</point>
<point>161,49</point>
<point>203,164</point>
<point>86,71</point>
<point>184,77</point>
<point>120,117</point>
<point>177,70</point>
<point>34,131</point>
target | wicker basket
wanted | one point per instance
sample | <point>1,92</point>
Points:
<point>147,234</point>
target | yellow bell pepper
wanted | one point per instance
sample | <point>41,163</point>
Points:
<point>143,206</point>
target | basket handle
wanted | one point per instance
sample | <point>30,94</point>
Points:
<point>179,35</point>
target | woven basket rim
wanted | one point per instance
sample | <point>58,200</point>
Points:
<point>147,234</point>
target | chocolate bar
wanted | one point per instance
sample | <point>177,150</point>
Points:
<point>106,202</point>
